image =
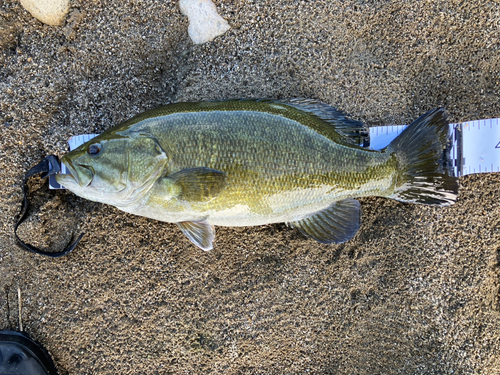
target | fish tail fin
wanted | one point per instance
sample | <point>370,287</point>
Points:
<point>426,171</point>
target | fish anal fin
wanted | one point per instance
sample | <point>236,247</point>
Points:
<point>335,224</point>
<point>201,233</point>
<point>197,184</point>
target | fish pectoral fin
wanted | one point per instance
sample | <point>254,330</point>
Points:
<point>198,184</point>
<point>201,233</point>
<point>335,224</point>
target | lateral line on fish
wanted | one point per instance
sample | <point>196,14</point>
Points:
<point>475,146</point>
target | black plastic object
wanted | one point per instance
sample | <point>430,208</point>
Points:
<point>21,355</point>
<point>47,167</point>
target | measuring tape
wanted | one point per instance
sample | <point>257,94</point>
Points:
<point>475,146</point>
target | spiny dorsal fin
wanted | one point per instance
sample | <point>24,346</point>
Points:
<point>337,223</point>
<point>334,125</point>
<point>343,129</point>
<point>201,233</point>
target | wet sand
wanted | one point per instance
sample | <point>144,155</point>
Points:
<point>415,292</point>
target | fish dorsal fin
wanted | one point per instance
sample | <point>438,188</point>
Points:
<point>201,233</point>
<point>335,224</point>
<point>196,184</point>
<point>331,123</point>
<point>341,129</point>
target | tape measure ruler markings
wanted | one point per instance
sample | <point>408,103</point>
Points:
<point>475,145</point>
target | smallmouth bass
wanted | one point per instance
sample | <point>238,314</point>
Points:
<point>255,162</point>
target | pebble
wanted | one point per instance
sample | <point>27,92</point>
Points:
<point>205,24</point>
<point>51,12</point>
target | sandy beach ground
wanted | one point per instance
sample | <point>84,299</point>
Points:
<point>415,292</point>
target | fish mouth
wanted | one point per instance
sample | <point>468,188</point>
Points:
<point>81,174</point>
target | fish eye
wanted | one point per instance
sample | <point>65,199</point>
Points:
<point>94,149</point>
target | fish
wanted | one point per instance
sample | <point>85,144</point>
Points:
<point>256,162</point>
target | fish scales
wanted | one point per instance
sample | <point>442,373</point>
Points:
<point>266,156</point>
<point>250,162</point>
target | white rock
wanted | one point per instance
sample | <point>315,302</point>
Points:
<point>204,22</point>
<point>51,12</point>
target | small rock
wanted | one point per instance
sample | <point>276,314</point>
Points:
<point>51,12</point>
<point>204,22</point>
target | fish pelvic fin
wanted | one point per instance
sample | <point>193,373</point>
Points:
<point>201,233</point>
<point>424,164</point>
<point>335,224</point>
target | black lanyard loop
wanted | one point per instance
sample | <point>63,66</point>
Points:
<point>47,167</point>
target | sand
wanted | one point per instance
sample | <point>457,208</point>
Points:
<point>415,292</point>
